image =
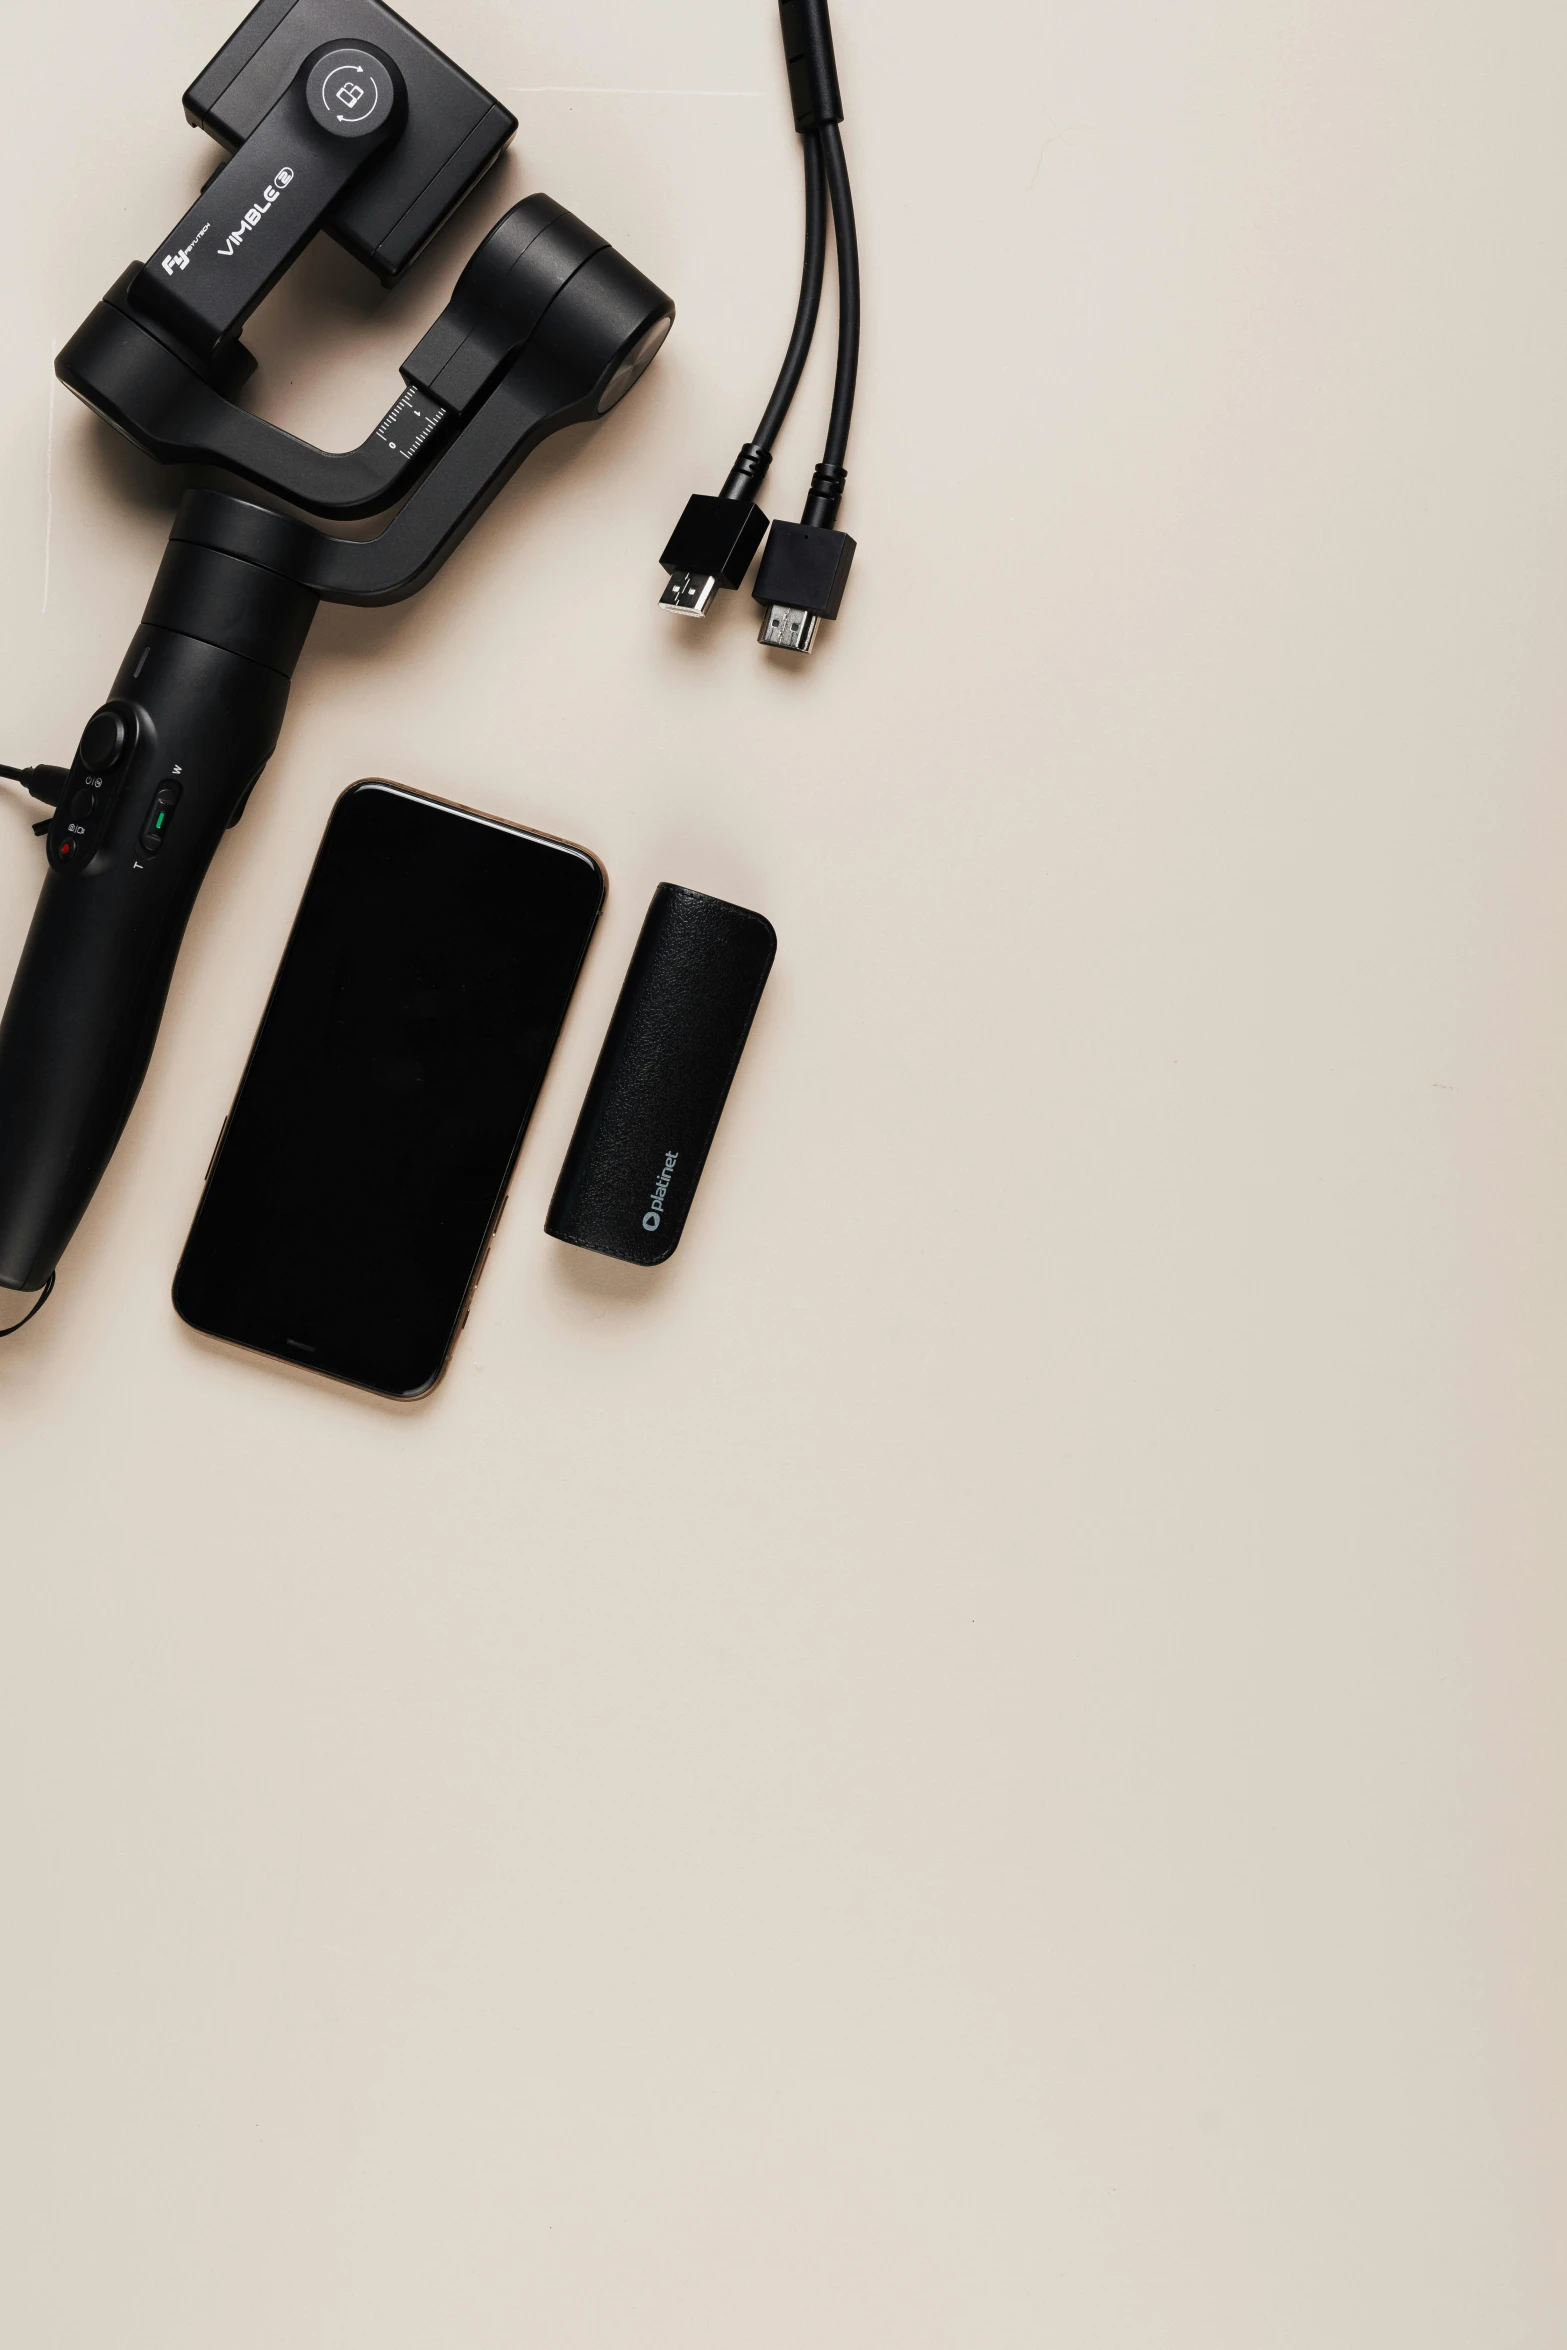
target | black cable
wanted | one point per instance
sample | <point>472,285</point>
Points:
<point>49,784</point>
<point>811,281</point>
<point>806,564</point>
<point>36,1307</point>
<point>848,246</point>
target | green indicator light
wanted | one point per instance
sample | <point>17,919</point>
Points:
<point>163,818</point>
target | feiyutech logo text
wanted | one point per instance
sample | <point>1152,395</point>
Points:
<point>181,259</point>
<point>655,1215</point>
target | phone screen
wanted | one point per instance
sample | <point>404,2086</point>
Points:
<point>366,1158</point>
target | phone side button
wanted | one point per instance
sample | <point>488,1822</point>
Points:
<point>472,1286</point>
<point>217,1146</point>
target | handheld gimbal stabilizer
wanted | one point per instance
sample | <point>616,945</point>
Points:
<point>377,139</point>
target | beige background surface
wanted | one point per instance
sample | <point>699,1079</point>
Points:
<point>980,1764</point>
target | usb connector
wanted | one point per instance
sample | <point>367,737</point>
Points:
<point>715,541</point>
<point>689,592</point>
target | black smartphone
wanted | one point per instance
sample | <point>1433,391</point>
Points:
<point>363,1168</point>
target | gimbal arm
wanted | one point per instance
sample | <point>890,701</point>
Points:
<point>178,414</point>
<point>593,341</point>
<point>157,400</point>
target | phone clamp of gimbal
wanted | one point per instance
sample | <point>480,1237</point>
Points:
<point>340,117</point>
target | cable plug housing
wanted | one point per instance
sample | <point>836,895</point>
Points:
<point>805,569</point>
<point>715,541</point>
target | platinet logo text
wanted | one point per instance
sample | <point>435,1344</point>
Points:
<point>655,1215</point>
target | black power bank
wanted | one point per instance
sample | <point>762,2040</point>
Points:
<point>663,1076</point>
